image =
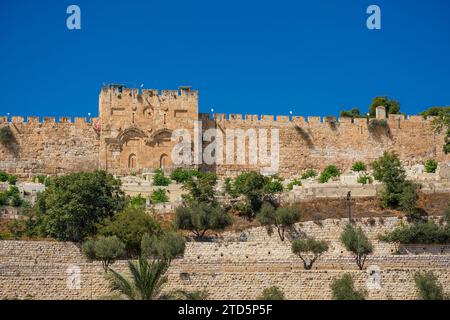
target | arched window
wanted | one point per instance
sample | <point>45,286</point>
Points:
<point>132,161</point>
<point>163,161</point>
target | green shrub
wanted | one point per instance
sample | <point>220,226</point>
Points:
<point>330,172</point>
<point>309,174</point>
<point>201,188</point>
<point>309,250</point>
<point>105,249</point>
<point>431,166</point>
<point>4,198</point>
<point>159,196</point>
<point>4,177</point>
<point>40,179</point>
<point>356,242</point>
<point>359,166</point>
<point>352,113</point>
<point>281,218</point>
<point>419,233</point>
<point>293,183</point>
<point>428,286</point>
<point>167,245</point>
<point>201,217</point>
<point>398,192</point>
<point>365,179</point>
<point>181,175</point>
<point>343,289</point>
<point>159,179</point>
<point>138,201</point>
<point>272,293</point>
<point>256,188</point>
<point>129,226</point>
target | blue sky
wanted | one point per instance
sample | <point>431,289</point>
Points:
<point>251,57</point>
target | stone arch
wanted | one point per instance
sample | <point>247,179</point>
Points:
<point>132,161</point>
<point>163,161</point>
<point>130,133</point>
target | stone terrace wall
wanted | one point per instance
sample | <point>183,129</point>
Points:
<point>48,147</point>
<point>239,266</point>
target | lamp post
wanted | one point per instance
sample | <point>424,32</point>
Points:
<point>349,205</point>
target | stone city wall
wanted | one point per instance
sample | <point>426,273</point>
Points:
<point>49,147</point>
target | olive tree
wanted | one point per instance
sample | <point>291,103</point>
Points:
<point>282,218</point>
<point>309,250</point>
<point>356,242</point>
<point>105,249</point>
<point>165,246</point>
<point>201,217</point>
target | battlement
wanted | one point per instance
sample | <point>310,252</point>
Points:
<point>121,91</point>
<point>48,121</point>
<point>251,119</point>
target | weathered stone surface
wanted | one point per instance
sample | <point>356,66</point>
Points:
<point>133,133</point>
<point>228,269</point>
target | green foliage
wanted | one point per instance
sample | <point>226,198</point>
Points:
<point>435,111</point>
<point>352,113</point>
<point>4,177</point>
<point>328,173</point>
<point>72,205</point>
<point>137,201</point>
<point>105,249</point>
<point>40,179</point>
<point>159,179</point>
<point>408,200</point>
<point>397,191</point>
<point>201,217</point>
<point>6,135</point>
<point>441,122</point>
<point>309,174</point>
<point>272,293</point>
<point>201,188</point>
<point>256,188</point>
<point>11,197</point>
<point>343,289</point>
<point>431,166</point>
<point>293,183</point>
<point>309,250</point>
<point>16,228</point>
<point>130,225</point>
<point>365,179</point>
<point>166,245</point>
<point>281,218</point>
<point>181,175</point>
<point>419,233</point>
<point>356,242</point>
<point>428,286</point>
<point>146,280</point>
<point>159,196</point>
<point>359,166</point>
<point>392,106</point>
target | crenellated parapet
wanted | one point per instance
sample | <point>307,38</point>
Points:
<point>312,121</point>
<point>53,122</point>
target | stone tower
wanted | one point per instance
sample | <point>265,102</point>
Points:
<point>136,126</point>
